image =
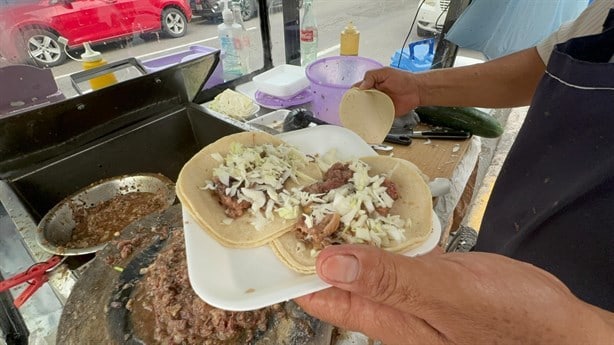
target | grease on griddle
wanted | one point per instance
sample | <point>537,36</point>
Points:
<point>102,222</point>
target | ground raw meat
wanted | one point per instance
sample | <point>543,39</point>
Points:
<point>180,316</point>
<point>100,223</point>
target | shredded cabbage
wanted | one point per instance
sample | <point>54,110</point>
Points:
<point>257,174</point>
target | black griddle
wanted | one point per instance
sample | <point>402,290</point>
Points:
<point>95,312</point>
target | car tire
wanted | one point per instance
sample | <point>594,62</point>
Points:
<point>149,36</point>
<point>42,48</point>
<point>249,9</point>
<point>174,22</point>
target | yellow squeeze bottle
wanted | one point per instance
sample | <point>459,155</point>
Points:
<point>92,59</point>
<point>349,40</point>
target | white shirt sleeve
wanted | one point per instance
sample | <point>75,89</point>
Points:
<point>589,22</point>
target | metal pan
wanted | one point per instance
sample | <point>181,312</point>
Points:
<point>56,228</point>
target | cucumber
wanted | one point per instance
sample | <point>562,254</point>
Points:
<point>467,119</point>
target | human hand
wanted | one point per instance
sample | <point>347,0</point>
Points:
<point>402,87</point>
<point>452,298</point>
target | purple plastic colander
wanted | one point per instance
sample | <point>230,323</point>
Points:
<point>330,78</point>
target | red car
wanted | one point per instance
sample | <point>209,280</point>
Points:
<point>30,29</point>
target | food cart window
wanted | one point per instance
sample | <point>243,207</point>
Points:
<point>50,34</point>
<point>385,27</point>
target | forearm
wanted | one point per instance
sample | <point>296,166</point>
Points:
<point>598,324</point>
<point>506,82</point>
<point>606,316</point>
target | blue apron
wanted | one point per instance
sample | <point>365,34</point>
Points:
<point>553,202</point>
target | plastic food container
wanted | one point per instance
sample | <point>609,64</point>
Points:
<point>284,81</point>
<point>274,119</point>
<point>329,79</point>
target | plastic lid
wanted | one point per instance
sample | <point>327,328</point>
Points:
<point>90,54</point>
<point>350,29</point>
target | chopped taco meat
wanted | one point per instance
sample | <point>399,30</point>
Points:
<point>179,315</point>
<point>335,177</point>
<point>319,234</point>
<point>391,189</point>
<point>233,207</point>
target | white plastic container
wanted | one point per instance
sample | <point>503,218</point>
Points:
<point>284,81</point>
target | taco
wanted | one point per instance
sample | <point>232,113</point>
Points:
<point>378,200</point>
<point>233,187</point>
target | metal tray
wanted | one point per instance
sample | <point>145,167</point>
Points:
<point>56,227</point>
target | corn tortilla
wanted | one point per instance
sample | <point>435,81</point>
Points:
<point>368,113</point>
<point>203,205</point>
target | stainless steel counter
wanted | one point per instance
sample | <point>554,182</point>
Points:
<point>41,313</point>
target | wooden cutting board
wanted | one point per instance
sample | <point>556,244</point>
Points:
<point>435,157</point>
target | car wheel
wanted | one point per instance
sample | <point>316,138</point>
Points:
<point>42,48</point>
<point>248,9</point>
<point>174,22</point>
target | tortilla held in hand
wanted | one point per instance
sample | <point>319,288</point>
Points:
<point>234,187</point>
<point>377,200</point>
<point>369,113</point>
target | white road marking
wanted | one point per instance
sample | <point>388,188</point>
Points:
<point>329,50</point>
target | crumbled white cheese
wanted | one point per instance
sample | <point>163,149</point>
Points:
<point>233,104</point>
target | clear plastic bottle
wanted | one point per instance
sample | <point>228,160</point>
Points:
<point>349,40</point>
<point>242,42</point>
<point>309,35</point>
<point>92,59</point>
<point>227,34</point>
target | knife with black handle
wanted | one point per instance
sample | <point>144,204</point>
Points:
<point>458,135</point>
<point>302,118</point>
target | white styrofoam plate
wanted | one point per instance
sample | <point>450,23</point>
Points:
<point>247,279</point>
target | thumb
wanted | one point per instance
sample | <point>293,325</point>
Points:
<point>390,279</point>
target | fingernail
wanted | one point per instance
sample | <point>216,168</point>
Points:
<point>340,268</point>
